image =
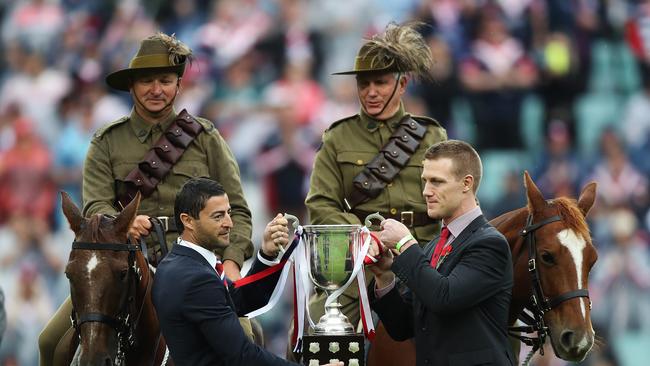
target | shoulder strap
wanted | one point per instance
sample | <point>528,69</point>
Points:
<point>384,167</point>
<point>161,157</point>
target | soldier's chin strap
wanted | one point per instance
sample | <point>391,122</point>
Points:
<point>399,76</point>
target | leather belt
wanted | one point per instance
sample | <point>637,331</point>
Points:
<point>168,223</point>
<point>408,218</point>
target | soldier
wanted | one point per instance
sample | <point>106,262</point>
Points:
<point>372,161</point>
<point>155,150</point>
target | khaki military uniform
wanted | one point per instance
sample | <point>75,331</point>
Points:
<point>348,145</point>
<point>117,148</point>
<point>114,152</point>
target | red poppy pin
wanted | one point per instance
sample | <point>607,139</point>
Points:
<point>445,252</point>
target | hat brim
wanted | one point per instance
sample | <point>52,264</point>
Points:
<point>121,79</point>
<point>386,69</point>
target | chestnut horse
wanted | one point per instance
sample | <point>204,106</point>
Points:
<point>110,288</point>
<point>552,255</point>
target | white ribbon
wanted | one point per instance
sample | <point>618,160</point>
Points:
<point>279,286</point>
<point>369,326</point>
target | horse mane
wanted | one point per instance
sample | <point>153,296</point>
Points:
<point>94,227</point>
<point>572,216</point>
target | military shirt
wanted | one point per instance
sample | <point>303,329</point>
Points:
<point>348,145</point>
<point>117,148</point>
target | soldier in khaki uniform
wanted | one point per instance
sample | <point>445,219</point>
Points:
<point>382,68</point>
<point>154,80</point>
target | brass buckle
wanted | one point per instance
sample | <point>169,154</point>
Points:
<point>164,221</point>
<point>406,217</point>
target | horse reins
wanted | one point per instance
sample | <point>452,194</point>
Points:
<point>540,304</point>
<point>122,322</point>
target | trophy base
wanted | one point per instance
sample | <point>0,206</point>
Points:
<point>322,349</point>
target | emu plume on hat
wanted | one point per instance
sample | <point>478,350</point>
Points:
<point>159,53</point>
<point>400,48</point>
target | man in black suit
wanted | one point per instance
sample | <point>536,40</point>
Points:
<point>198,307</point>
<point>459,287</point>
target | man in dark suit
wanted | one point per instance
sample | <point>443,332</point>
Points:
<point>459,287</point>
<point>196,304</point>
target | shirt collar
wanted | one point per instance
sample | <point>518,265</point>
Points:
<point>142,128</point>
<point>208,255</point>
<point>462,222</point>
<point>372,124</point>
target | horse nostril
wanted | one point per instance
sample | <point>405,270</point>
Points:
<point>568,339</point>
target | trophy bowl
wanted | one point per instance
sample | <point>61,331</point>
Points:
<point>330,251</point>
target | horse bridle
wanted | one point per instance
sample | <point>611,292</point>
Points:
<point>122,322</point>
<point>540,304</point>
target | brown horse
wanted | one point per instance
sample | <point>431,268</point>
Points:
<point>552,255</point>
<point>110,288</point>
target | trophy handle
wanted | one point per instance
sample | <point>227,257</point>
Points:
<point>375,215</point>
<point>295,220</point>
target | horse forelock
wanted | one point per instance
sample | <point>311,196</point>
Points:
<point>572,217</point>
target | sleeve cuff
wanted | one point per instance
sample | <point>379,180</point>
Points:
<point>380,292</point>
<point>267,260</point>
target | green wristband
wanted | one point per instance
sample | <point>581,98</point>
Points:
<point>403,241</point>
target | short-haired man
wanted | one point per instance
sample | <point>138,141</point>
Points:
<point>460,285</point>
<point>197,306</point>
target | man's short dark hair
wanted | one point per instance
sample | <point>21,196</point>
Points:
<point>465,158</point>
<point>192,197</point>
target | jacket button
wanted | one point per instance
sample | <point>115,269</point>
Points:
<point>393,211</point>
<point>359,162</point>
<point>424,329</point>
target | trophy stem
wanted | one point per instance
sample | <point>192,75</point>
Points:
<point>334,322</point>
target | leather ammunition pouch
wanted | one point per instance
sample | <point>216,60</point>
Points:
<point>160,158</point>
<point>384,167</point>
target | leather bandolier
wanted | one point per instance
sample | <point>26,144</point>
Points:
<point>160,158</point>
<point>383,169</point>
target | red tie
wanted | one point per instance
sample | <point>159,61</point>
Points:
<point>219,268</point>
<point>444,235</point>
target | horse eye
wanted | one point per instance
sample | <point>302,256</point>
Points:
<point>123,274</point>
<point>548,258</point>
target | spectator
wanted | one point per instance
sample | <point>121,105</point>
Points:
<point>497,75</point>
<point>558,171</point>
<point>621,286</point>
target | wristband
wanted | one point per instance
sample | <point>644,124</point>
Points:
<point>403,241</point>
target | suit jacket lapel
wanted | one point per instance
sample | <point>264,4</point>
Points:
<point>458,243</point>
<point>188,252</point>
<point>471,228</point>
<point>456,248</point>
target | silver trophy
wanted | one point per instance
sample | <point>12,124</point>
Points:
<point>329,253</point>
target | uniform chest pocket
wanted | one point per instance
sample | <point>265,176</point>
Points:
<point>190,169</point>
<point>351,164</point>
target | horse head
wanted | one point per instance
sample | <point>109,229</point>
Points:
<point>555,254</point>
<point>104,273</point>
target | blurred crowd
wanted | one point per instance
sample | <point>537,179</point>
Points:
<point>560,88</point>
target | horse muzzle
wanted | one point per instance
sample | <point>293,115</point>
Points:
<point>572,345</point>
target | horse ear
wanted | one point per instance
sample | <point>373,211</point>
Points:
<point>71,212</point>
<point>125,218</point>
<point>587,198</point>
<point>535,197</point>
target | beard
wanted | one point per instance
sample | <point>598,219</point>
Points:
<point>210,240</point>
